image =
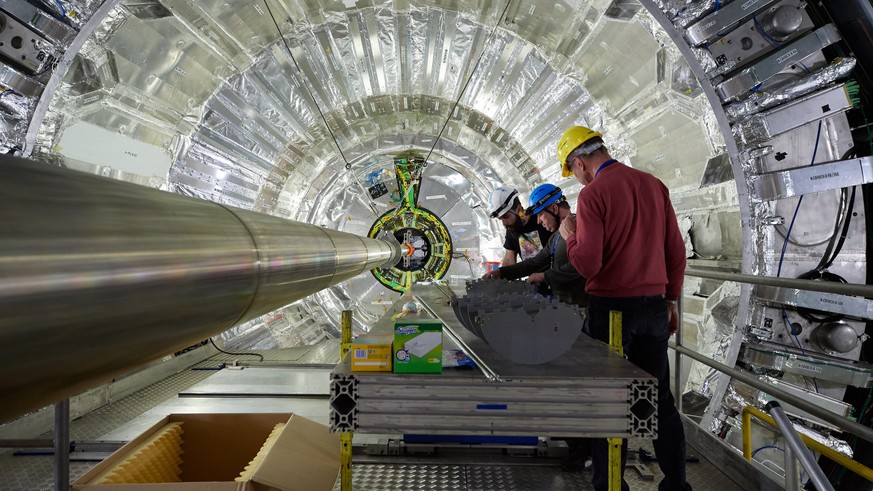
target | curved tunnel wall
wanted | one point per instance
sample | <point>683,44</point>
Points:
<point>248,132</point>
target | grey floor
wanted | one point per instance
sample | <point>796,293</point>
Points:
<point>34,472</point>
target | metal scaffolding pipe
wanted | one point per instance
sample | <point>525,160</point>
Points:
<point>855,289</point>
<point>99,276</point>
<point>747,378</point>
<point>792,439</point>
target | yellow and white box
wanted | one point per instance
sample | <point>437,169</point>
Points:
<point>372,353</point>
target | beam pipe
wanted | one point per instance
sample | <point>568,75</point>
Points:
<point>99,276</point>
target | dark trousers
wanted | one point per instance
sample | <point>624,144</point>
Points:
<point>644,336</point>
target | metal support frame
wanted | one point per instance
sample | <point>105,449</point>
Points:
<point>792,439</point>
<point>614,444</point>
<point>828,452</point>
<point>346,438</point>
<point>62,445</point>
<point>792,472</point>
<point>856,289</point>
<point>840,422</point>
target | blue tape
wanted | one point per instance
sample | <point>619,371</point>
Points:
<point>491,406</point>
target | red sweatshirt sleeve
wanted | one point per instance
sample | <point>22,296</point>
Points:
<point>585,248</point>
<point>674,250</point>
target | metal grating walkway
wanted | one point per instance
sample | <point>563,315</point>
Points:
<point>35,472</point>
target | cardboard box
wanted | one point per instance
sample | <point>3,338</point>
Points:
<point>372,353</point>
<point>216,448</point>
<point>418,345</point>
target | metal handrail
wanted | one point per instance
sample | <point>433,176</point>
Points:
<point>852,465</point>
<point>807,460</point>
<point>791,436</point>
<point>844,424</point>
<point>854,289</point>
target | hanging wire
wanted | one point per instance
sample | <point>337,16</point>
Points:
<point>311,95</point>
<point>235,354</point>
<point>788,326</point>
<point>467,83</point>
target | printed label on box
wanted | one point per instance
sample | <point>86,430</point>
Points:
<point>372,353</point>
<point>418,345</point>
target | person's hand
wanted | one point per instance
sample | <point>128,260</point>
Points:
<point>568,227</point>
<point>672,318</point>
<point>536,278</point>
<point>494,273</point>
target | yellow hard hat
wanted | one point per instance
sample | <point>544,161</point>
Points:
<point>572,138</point>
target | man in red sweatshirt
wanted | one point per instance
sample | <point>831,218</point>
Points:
<point>626,241</point>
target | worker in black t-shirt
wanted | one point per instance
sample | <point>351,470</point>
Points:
<point>525,237</point>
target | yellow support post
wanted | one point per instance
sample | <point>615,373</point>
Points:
<point>615,332</point>
<point>614,444</point>
<point>346,325</point>
<point>614,471</point>
<point>346,438</point>
<point>346,461</point>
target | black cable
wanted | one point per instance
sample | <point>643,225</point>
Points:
<point>302,84</point>
<point>467,83</point>
<point>835,245</point>
<point>830,252</point>
<point>846,222</point>
<point>235,354</point>
<point>821,273</point>
<point>813,315</point>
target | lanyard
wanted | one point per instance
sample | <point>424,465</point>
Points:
<point>554,248</point>
<point>605,165</point>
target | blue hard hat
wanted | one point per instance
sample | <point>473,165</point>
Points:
<point>543,196</point>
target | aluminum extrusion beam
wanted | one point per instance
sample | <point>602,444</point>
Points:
<point>99,276</point>
<point>588,392</point>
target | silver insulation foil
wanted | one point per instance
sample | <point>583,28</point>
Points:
<point>740,395</point>
<point>752,130</point>
<point>810,83</point>
<point>672,8</point>
<point>15,112</point>
<point>713,335</point>
<point>73,12</point>
<point>693,11</point>
<point>239,119</point>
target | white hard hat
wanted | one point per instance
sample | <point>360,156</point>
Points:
<point>501,201</point>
